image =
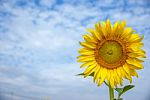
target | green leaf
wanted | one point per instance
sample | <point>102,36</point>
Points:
<point>125,89</point>
<point>128,87</point>
<point>119,90</point>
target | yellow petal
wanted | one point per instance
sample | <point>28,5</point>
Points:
<point>103,75</point>
<point>133,67</point>
<point>123,24</point>
<point>137,54</point>
<point>135,46</point>
<point>127,33</point>
<point>112,78</point>
<point>89,38</point>
<point>120,76</point>
<point>120,80</point>
<point>126,68</point>
<point>115,29</point>
<point>108,26</point>
<point>82,50</point>
<point>85,56</point>
<point>135,38</point>
<point>87,45</point>
<point>115,83</point>
<point>125,75</point>
<point>117,78</point>
<point>86,64</point>
<point>99,33</point>
<point>86,59</point>
<point>133,72</point>
<point>87,53</point>
<point>119,72</point>
<point>97,74</point>
<point>108,74</point>
<point>89,70</point>
<point>135,62</point>
<point>127,72</point>
<point>93,32</point>
<point>112,81</point>
<point>104,31</point>
<point>120,29</point>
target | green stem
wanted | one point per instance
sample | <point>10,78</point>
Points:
<point>111,92</point>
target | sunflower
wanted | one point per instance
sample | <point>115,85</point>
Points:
<point>111,53</point>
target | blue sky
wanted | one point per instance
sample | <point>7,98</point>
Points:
<point>39,43</point>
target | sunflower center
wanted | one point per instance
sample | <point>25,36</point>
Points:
<point>111,51</point>
<point>110,54</point>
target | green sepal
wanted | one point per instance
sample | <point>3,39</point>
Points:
<point>82,74</point>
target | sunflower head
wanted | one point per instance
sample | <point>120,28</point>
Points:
<point>111,53</point>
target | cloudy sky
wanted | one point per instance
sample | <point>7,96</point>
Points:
<point>39,43</point>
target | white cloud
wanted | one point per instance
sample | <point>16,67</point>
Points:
<point>47,2</point>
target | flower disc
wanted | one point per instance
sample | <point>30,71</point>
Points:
<point>111,52</point>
